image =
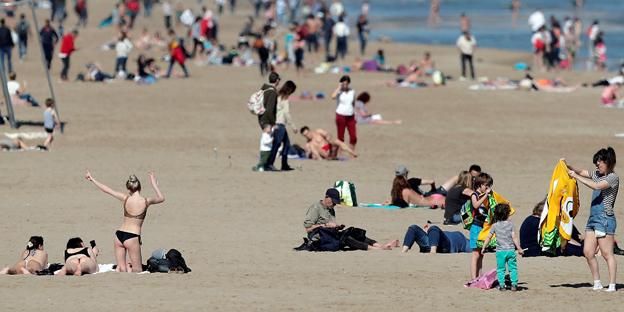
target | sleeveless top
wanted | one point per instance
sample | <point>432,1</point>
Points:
<point>139,216</point>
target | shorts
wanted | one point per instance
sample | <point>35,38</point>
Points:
<point>49,130</point>
<point>599,221</point>
<point>326,147</point>
<point>474,236</point>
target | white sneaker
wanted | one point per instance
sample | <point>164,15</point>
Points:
<point>597,285</point>
<point>611,288</point>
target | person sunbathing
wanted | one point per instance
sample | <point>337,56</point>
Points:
<point>321,145</point>
<point>32,259</point>
<point>79,259</point>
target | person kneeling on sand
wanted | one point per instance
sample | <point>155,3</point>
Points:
<point>32,259</point>
<point>434,240</point>
<point>79,259</point>
<point>322,215</point>
<point>321,145</point>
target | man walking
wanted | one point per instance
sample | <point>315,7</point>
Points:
<point>269,116</point>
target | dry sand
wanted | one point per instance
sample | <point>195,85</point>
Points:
<point>237,228</point>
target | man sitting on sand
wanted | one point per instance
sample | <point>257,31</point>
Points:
<point>321,145</point>
<point>322,215</point>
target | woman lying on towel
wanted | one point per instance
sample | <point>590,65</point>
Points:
<point>128,237</point>
<point>79,259</point>
<point>33,259</point>
<point>402,195</point>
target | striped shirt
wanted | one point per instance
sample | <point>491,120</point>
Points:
<point>609,194</point>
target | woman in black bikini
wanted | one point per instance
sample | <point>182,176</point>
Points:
<point>79,259</point>
<point>128,237</point>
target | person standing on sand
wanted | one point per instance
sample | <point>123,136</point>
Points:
<point>269,117</point>
<point>341,31</point>
<point>49,38</point>
<point>363,32</point>
<point>345,111</point>
<point>6,46</point>
<point>67,48</point>
<point>282,118</point>
<point>601,226</point>
<point>128,237</point>
<point>466,43</point>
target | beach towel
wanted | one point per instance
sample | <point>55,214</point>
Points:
<point>560,208</point>
<point>106,22</point>
<point>105,268</point>
<point>485,281</point>
<point>493,200</point>
<point>388,207</point>
<point>26,135</point>
<point>347,193</point>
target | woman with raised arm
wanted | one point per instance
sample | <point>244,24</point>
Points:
<point>128,237</point>
<point>600,228</point>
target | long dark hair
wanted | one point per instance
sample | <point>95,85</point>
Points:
<point>287,89</point>
<point>398,185</point>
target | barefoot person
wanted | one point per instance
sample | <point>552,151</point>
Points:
<point>322,215</point>
<point>321,145</point>
<point>128,237</point>
<point>32,259</point>
<point>600,228</point>
<point>79,259</point>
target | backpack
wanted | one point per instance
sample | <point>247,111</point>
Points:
<point>22,29</point>
<point>347,193</point>
<point>256,102</point>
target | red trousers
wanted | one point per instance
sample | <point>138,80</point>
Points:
<point>347,122</point>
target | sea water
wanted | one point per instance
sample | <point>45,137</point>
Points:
<point>491,22</point>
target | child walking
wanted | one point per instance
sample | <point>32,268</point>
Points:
<point>482,186</point>
<point>50,121</point>
<point>506,245</point>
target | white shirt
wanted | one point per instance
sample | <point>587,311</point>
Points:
<point>593,32</point>
<point>167,9</point>
<point>614,80</point>
<point>123,48</point>
<point>266,142</point>
<point>466,46</point>
<point>13,87</point>
<point>537,20</point>
<point>341,29</point>
<point>345,103</point>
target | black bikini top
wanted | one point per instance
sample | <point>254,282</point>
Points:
<point>139,216</point>
<point>83,251</point>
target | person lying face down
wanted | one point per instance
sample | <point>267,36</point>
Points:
<point>321,145</point>
<point>79,259</point>
<point>32,259</point>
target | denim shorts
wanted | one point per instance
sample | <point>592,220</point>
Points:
<point>601,222</point>
<point>474,235</point>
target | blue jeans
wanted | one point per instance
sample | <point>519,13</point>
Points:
<point>435,237</point>
<point>280,136</point>
<point>5,52</point>
<point>23,45</point>
<point>341,47</point>
<point>598,219</point>
<point>120,64</point>
<point>363,41</point>
<point>28,98</point>
<point>170,69</point>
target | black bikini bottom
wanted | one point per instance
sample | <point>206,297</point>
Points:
<point>124,236</point>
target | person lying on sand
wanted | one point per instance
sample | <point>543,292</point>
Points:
<point>32,259</point>
<point>434,240</point>
<point>79,259</point>
<point>321,145</point>
<point>322,215</point>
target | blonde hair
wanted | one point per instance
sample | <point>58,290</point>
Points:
<point>133,184</point>
<point>465,179</point>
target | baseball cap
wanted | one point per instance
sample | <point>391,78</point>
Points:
<point>334,195</point>
<point>401,170</point>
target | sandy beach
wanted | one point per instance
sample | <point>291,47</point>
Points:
<point>236,228</point>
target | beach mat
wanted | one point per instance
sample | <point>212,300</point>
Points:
<point>387,207</point>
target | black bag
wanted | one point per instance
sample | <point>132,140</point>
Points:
<point>173,262</point>
<point>158,265</point>
<point>355,233</point>
<point>329,240</point>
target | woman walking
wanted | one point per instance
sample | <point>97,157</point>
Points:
<point>345,111</point>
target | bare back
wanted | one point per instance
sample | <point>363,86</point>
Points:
<point>135,210</point>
